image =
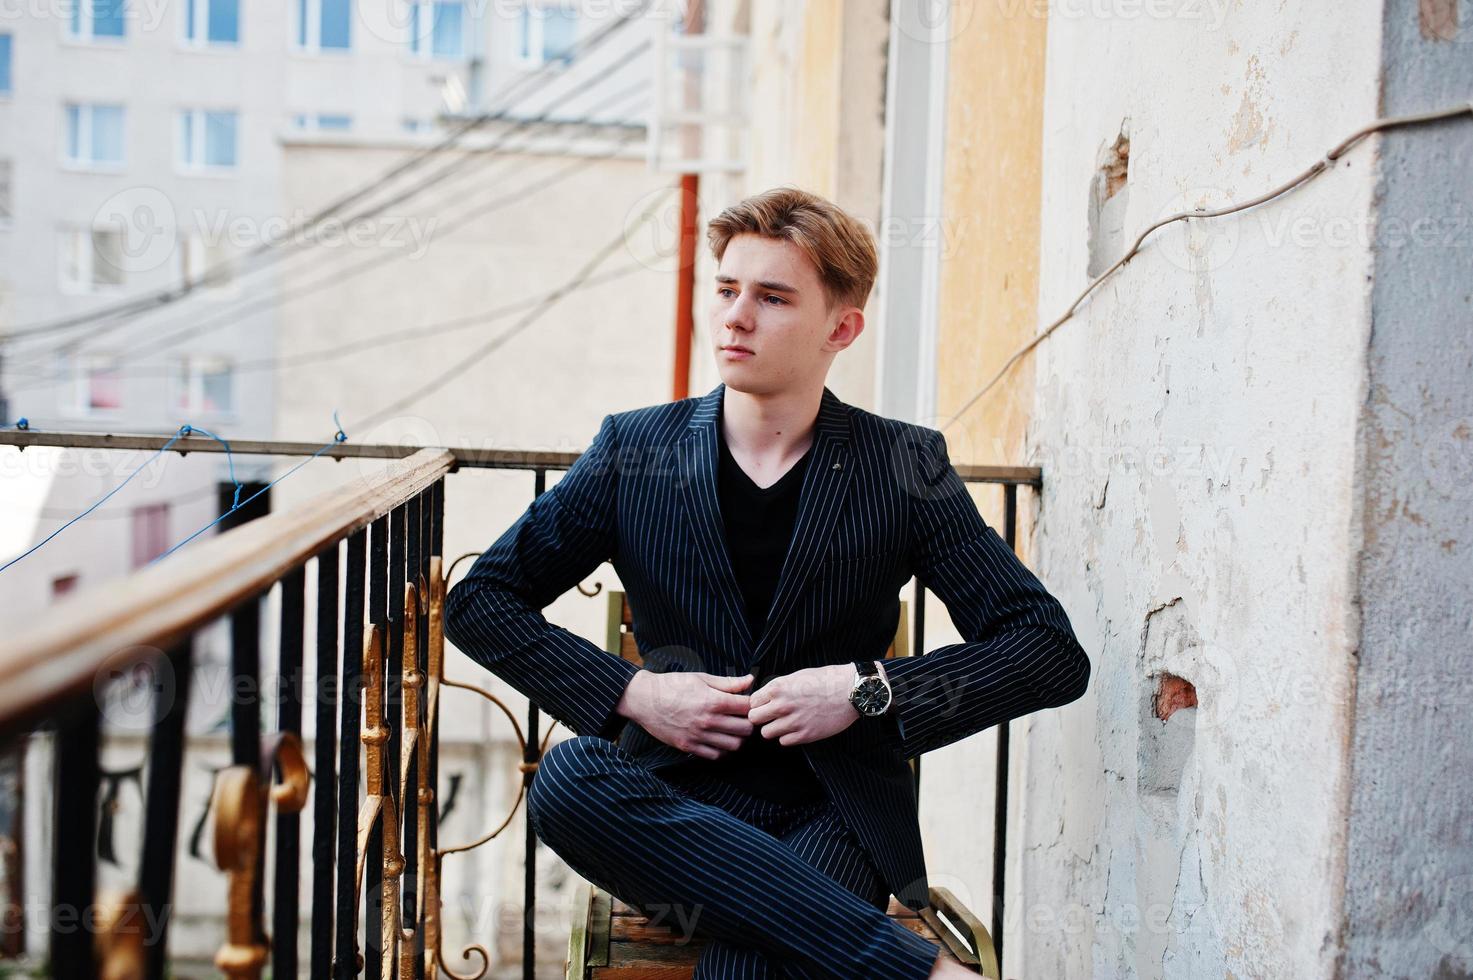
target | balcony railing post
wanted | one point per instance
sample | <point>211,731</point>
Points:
<point>394,660</point>
<point>355,601</point>
<point>161,809</point>
<point>284,901</point>
<point>531,754</point>
<point>378,611</point>
<point>74,853</point>
<point>324,790</point>
<point>408,805</point>
<point>1000,797</point>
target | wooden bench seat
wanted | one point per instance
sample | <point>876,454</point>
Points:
<point>612,941</point>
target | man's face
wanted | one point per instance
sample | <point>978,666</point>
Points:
<point>768,299</point>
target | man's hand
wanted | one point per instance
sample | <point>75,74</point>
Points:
<point>806,705</point>
<point>692,710</point>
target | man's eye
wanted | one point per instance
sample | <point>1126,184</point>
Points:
<point>778,298</point>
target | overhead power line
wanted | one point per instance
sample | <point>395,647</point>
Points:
<point>332,277</point>
<point>471,359</point>
<point>141,304</point>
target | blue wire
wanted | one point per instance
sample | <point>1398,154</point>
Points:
<point>338,437</point>
<point>184,430</point>
<point>229,458</point>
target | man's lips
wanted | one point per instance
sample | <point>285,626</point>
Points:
<point>737,348</point>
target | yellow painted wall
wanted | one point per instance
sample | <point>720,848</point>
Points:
<point>991,197</point>
<point>818,74</point>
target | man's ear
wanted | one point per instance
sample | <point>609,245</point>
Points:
<point>847,328</point>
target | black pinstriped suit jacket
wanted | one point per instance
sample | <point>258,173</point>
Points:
<point>880,501</point>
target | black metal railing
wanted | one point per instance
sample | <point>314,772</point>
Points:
<point>376,546</point>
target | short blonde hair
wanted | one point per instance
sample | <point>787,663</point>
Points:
<point>837,243</point>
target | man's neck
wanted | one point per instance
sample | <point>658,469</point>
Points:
<point>770,431</point>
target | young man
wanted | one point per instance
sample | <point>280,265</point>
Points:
<point>759,791</point>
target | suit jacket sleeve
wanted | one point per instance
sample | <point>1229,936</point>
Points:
<point>1019,653</point>
<point>494,614</point>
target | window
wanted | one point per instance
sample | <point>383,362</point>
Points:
<point>92,259</point>
<point>198,259</point>
<point>206,139</point>
<point>5,42</point>
<point>314,121</point>
<point>63,584</point>
<point>150,533</point>
<point>211,22</point>
<point>202,384</point>
<point>322,25</point>
<point>437,28</point>
<point>94,135</point>
<point>545,33</point>
<point>94,20</point>
<point>99,383</point>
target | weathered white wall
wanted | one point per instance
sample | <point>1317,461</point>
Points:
<point>1196,423</point>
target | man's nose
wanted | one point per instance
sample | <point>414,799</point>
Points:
<point>739,314</point>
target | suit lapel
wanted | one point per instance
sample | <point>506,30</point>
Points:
<point>699,457</point>
<point>820,500</point>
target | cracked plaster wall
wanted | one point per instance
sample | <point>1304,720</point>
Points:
<point>1197,425</point>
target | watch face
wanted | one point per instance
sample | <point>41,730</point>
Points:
<point>870,696</point>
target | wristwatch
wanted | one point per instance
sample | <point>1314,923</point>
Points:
<point>870,695</point>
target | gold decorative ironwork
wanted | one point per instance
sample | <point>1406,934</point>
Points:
<point>237,845</point>
<point>243,797</point>
<point>119,938</point>
<point>241,801</point>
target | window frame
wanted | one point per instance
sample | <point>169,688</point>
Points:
<point>186,379</point>
<point>88,284</point>
<point>201,13</point>
<point>193,250</point>
<point>536,27</point>
<point>85,126</point>
<point>80,28</point>
<point>7,78</point>
<point>311,44</point>
<point>198,117</point>
<point>82,364</point>
<point>423,48</point>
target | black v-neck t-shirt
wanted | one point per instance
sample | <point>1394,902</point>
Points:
<point>759,528</point>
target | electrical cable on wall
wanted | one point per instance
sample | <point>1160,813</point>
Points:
<point>1298,180</point>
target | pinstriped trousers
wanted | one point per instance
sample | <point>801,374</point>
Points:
<point>777,891</point>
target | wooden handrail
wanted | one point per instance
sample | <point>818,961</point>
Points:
<point>118,623</point>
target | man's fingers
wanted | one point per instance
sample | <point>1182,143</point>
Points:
<point>732,704</point>
<point>760,714</point>
<point>732,724</point>
<point>776,729</point>
<point>733,684</point>
<point>718,742</point>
